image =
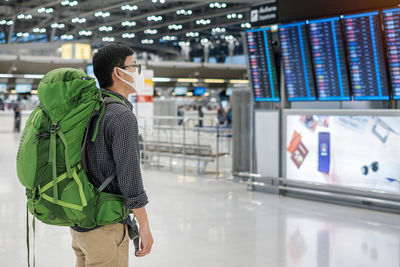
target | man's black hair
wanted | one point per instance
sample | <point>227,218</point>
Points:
<point>106,59</point>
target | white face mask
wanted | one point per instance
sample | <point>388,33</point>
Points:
<point>138,80</point>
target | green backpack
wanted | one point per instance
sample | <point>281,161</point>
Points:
<point>51,155</point>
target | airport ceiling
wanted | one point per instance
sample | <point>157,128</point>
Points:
<point>148,25</point>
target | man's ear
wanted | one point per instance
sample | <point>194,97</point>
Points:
<point>116,72</point>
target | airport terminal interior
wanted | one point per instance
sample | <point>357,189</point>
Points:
<point>269,131</point>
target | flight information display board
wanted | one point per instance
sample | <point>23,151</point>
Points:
<point>391,19</point>
<point>366,56</point>
<point>329,59</point>
<point>299,79</point>
<point>262,65</point>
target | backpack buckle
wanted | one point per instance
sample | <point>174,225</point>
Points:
<point>33,194</point>
<point>54,127</point>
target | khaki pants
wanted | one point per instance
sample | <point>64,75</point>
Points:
<point>107,246</point>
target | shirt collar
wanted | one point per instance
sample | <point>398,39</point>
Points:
<point>126,101</point>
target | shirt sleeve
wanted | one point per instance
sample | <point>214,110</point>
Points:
<point>124,136</point>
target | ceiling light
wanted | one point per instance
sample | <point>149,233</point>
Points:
<point>187,80</point>
<point>218,30</point>
<point>204,41</point>
<point>108,39</point>
<point>67,37</point>
<point>5,22</point>
<point>234,16</point>
<point>203,21</point>
<point>102,14</point>
<point>184,12</point>
<point>229,37</point>
<point>44,10</point>
<point>175,27</point>
<point>239,81</point>
<point>182,43</point>
<point>58,26</point>
<point>129,7</point>
<point>161,79</point>
<point>128,35</point>
<point>33,76</point>
<point>154,18</point>
<point>214,80</point>
<point>85,33</point>
<point>161,1</point>
<point>150,31</point>
<point>245,25</point>
<point>23,34</point>
<point>23,16</point>
<point>37,30</point>
<point>78,20</point>
<point>217,5</point>
<point>105,28</point>
<point>147,41</point>
<point>169,38</point>
<point>128,23</point>
<point>69,3</point>
<point>192,34</point>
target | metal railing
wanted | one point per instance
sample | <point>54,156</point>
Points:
<point>170,140</point>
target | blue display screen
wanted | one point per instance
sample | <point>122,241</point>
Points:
<point>199,91</point>
<point>391,19</point>
<point>296,60</point>
<point>21,88</point>
<point>366,56</point>
<point>262,65</point>
<point>329,59</point>
<point>3,87</point>
<point>89,70</point>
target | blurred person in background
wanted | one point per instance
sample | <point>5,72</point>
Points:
<point>17,116</point>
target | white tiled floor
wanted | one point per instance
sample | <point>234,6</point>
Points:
<point>204,222</point>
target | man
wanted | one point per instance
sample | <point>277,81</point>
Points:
<point>115,151</point>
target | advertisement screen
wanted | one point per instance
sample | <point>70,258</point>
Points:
<point>180,90</point>
<point>353,151</point>
<point>3,87</point>
<point>23,88</point>
<point>199,91</point>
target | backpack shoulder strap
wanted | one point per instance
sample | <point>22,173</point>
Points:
<point>98,114</point>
